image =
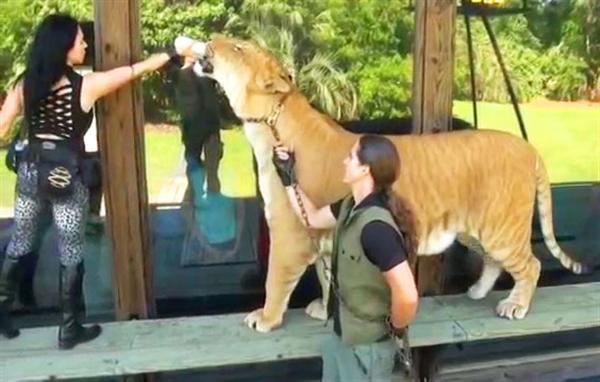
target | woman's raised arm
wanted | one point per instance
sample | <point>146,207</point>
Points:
<point>98,84</point>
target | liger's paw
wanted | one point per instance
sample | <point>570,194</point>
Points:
<point>257,321</point>
<point>476,292</point>
<point>511,310</point>
<point>317,310</point>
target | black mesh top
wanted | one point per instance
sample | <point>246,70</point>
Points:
<point>60,114</point>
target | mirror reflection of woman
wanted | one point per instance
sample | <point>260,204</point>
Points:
<point>57,104</point>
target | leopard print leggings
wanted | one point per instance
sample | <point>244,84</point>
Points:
<point>69,215</point>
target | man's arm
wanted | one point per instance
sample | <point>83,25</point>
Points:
<point>321,218</point>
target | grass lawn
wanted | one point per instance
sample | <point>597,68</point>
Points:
<point>236,170</point>
<point>7,183</point>
<point>567,136</point>
<point>164,154</point>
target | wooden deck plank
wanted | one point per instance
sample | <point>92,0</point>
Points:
<point>547,299</point>
<point>551,365</point>
<point>161,345</point>
<point>195,342</point>
<point>534,323</point>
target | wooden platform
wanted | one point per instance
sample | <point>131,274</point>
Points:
<point>196,342</point>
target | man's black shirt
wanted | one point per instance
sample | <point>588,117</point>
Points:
<point>381,243</point>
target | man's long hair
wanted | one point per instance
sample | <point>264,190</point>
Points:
<point>383,160</point>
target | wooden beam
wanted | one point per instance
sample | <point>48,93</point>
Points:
<point>432,96</point>
<point>432,112</point>
<point>186,343</point>
<point>433,65</point>
<point>120,122</point>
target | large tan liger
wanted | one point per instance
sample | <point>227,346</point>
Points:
<point>477,183</point>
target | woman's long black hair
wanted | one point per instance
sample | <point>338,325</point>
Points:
<point>47,58</point>
<point>383,160</point>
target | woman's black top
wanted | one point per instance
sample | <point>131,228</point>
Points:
<point>60,112</point>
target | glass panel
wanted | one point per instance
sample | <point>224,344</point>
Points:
<point>209,237</point>
<point>98,257</point>
<point>565,133</point>
<point>202,189</point>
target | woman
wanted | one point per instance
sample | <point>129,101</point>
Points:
<point>57,104</point>
<point>373,289</point>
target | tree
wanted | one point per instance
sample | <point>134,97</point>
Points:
<point>284,30</point>
<point>570,30</point>
<point>18,18</point>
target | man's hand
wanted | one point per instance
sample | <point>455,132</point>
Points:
<point>284,162</point>
<point>398,332</point>
<point>188,62</point>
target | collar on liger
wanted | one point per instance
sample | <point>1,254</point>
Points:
<point>271,119</point>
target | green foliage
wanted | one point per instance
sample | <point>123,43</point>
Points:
<point>285,30</point>
<point>564,75</point>
<point>537,67</point>
<point>573,26</point>
<point>362,30</point>
<point>18,18</point>
<point>162,21</point>
<point>372,40</point>
<point>327,87</point>
<point>520,54</point>
<point>351,57</point>
<point>384,87</point>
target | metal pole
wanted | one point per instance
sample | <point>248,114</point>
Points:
<point>511,92</point>
<point>472,69</point>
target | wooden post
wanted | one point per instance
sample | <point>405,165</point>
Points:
<point>432,96</point>
<point>432,112</point>
<point>120,125</point>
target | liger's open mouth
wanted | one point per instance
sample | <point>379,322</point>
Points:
<point>206,65</point>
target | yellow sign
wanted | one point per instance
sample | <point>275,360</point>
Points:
<point>488,2</point>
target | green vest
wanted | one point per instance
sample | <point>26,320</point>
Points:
<point>364,297</point>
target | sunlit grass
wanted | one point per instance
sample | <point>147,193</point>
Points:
<point>567,136</point>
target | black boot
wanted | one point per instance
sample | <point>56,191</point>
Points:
<point>71,332</point>
<point>26,291</point>
<point>9,279</point>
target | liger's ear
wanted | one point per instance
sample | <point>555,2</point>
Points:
<point>274,84</point>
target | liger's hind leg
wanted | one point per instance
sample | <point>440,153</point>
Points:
<point>489,274</point>
<point>525,270</point>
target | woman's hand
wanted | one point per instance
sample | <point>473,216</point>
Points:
<point>320,218</point>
